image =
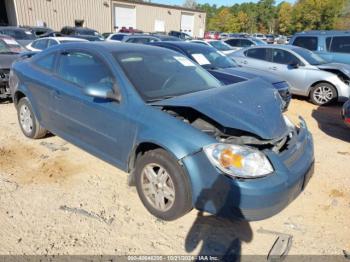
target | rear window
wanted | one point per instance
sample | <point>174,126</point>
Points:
<point>308,42</point>
<point>340,44</point>
<point>233,42</point>
<point>119,37</point>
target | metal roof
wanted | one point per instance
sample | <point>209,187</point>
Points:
<point>159,5</point>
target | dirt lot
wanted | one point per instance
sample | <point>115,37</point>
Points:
<point>57,199</point>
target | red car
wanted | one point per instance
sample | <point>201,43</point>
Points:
<point>346,113</point>
<point>212,35</point>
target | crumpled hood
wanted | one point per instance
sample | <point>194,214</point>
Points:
<point>344,68</point>
<point>7,60</point>
<point>252,106</point>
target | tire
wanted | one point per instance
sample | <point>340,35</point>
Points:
<point>27,120</point>
<point>323,94</point>
<point>173,185</point>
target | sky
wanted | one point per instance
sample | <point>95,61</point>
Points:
<point>217,2</point>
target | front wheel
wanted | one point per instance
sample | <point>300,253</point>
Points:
<point>322,94</point>
<point>28,122</point>
<point>162,185</point>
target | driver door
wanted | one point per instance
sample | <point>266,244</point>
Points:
<point>282,65</point>
<point>97,125</point>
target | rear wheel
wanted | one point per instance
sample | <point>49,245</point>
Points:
<point>322,94</point>
<point>162,185</point>
<point>28,122</point>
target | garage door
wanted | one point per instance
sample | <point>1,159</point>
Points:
<point>124,16</point>
<point>187,23</point>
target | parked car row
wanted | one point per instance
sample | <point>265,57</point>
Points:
<point>267,39</point>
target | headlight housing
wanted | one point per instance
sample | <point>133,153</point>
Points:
<point>238,161</point>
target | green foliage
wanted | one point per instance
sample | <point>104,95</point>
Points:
<point>267,17</point>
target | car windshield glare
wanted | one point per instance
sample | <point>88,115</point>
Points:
<point>219,45</point>
<point>211,59</point>
<point>161,75</point>
<point>310,57</point>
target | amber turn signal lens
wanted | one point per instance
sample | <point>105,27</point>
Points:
<point>228,158</point>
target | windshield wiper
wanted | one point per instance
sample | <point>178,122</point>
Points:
<point>158,99</point>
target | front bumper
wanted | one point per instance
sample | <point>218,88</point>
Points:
<point>343,91</point>
<point>252,199</point>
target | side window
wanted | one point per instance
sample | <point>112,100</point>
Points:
<point>328,43</point>
<point>40,44</point>
<point>308,42</point>
<point>246,43</point>
<point>74,65</point>
<point>280,56</point>
<point>340,44</point>
<point>51,43</point>
<point>46,62</point>
<point>233,42</point>
<point>257,53</point>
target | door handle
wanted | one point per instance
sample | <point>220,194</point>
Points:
<point>244,62</point>
<point>273,68</point>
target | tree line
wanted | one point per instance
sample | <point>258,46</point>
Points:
<point>285,18</point>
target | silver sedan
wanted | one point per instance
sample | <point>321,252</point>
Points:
<point>306,72</point>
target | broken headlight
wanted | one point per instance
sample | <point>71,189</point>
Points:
<point>239,161</point>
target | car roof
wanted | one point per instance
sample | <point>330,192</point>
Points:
<point>183,45</point>
<point>140,36</point>
<point>324,32</point>
<point>5,36</point>
<point>64,38</point>
<point>13,28</point>
<point>109,47</point>
<point>286,47</point>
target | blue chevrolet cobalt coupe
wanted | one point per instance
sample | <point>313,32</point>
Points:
<point>186,140</point>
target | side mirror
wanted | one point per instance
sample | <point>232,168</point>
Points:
<point>102,91</point>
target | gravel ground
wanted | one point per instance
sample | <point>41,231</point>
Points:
<point>57,199</point>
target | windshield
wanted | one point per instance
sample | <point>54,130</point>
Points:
<point>211,59</point>
<point>219,45</point>
<point>8,45</point>
<point>160,75</point>
<point>310,57</point>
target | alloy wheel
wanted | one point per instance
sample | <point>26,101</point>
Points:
<point>158,187</point>
<point>26,119</point>
<point>323,94</point>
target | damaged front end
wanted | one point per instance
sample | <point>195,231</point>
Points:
<point>341,70</point>
<point>230,135</point>
<point>256,161</point>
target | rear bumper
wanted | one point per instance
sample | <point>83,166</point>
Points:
<point>252,199</point>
